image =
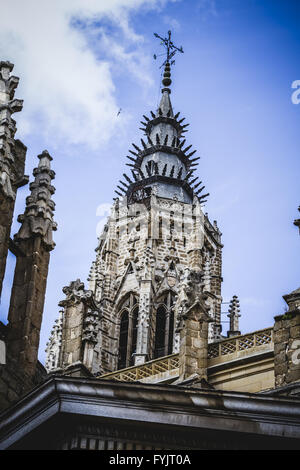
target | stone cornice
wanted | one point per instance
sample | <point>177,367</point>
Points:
<point>185,408</point>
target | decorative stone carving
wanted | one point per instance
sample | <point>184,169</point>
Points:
<point>38,216</point>
<point>90,326</point>
<point>54,344</point>
<point>81,322</point>
<point>75,293</point>
<point>189,292</point>
<point>147,264</point>
<point>149,239</point>
<point>8,106</point>
<point>234,315</point>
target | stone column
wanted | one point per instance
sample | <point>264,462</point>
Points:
<point>12,159</point>
<point>32,246</point>
<point>194,343</point>
<point>192,320</point>
<point>287,342</point>
<point>80,327</point>
<point>147,270</point>
<point>234,316</point>
<point>142,346</point>
<point>196,238</point>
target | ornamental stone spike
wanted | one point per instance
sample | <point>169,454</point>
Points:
<point>234,315</point>
<point>165,105</point>
<point>54,344</point>
<point>37,219</point>
<point>8,106</point>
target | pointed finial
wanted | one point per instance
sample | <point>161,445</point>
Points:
<point>45,159</point>
<point>37,219</point>
<point>234,315</point>
<point>166,81</point>
<point>8,106</point>
<point>171,50</point>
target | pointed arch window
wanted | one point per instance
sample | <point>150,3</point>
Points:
<point>128,332</point>
<point>164,327</point>
<point>123,342</point>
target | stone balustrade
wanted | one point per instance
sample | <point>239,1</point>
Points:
<point>168,365</point>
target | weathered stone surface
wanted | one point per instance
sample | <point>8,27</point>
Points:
<point>12,159</point>
<point>33,243</point>
<point>287,343</point>
<point>77,329</point>
<point>194,339</point>
<point>131,263</point>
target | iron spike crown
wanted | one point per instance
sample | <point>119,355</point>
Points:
<point>160,164</point>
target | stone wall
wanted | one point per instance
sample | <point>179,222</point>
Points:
<point>14,383</point>
<point>144,249</point>
<point>287,348</point>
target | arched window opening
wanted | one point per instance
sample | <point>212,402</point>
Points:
<point>171,333</point>
<point>134,335</point>
<point>160,332</point>
<point>128,332</point>
<point>123,340</point>
<point>164,329</point>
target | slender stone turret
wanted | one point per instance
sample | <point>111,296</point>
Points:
<point>54,344</point>
<point>12,158</point>
<point>32,246</point>
<point>73,350</point>
<point>193,326</point>
<point>234,315</point>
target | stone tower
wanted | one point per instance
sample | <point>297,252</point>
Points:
<point>12,158</point>
<point>156,240</point>
<point>20,369</point>
<point>32,245</point>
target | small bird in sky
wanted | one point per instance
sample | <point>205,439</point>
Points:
<point>119,111</point>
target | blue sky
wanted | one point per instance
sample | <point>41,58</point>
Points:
<point>80,61</point>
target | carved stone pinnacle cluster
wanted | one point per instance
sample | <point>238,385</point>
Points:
<point>37,219</point>
<point>8,106</point>
<point>234,315</point>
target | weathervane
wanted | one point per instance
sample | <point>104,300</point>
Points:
<point>171,49</point>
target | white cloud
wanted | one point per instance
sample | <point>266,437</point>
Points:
<point>208,8</point>
<point>65,86</point>
<point>172,23</point>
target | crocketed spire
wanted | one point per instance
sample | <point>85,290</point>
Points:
<point>38,216</point>
<point>8,106</point>
<point>234,315</point>
<point>162,165</point>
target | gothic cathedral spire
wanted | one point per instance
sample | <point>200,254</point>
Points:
<point>157,255</point>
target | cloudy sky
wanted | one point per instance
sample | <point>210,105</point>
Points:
<point>80,61</point>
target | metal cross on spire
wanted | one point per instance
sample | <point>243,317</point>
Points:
<point>171,49</point>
